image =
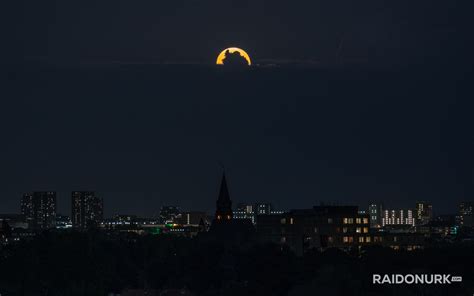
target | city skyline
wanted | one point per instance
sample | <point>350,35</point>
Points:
<point>370,206</point>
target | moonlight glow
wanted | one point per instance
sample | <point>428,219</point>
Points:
<point>221,56</point>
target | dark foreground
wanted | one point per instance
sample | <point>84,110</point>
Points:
<point>99,264</point>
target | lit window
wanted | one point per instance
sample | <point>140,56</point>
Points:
<point>330,239</point>
<point>345,239</point>
<point>345,221</point>
<point>367,239</point>
<point>344,229</point>
<point>358,220</point>
<point>361,239</point>
<point>366,229</point>
<point>283,221</point>
<point>350,221</point>
<point>329,220</point>
<point>366,220</point>
<point>291,221</point>
<point>358,230</point>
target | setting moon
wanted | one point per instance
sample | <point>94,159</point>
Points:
<point>221,57</point>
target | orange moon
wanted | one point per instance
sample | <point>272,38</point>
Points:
<point>221,56</point>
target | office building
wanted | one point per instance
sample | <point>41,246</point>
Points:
<point>466,211</point>
<point>251,211</point>
<point>87,209</point>
<point>424,212</point>
<point>39,209</point>
<point>318,228</point>
<point>245,211</point>
<point>398,217</point>
<point>376,214</point>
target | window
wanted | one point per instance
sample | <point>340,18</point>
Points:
<point>283,240</point>
<point>351,239</point>
<point>366,229</point>
<point>361,239</point>
<point>358,230</point>
<point>358,220</point>
<point>330,239</point>
<point>366,220</point>
<point>283,221</point>
<point>291,220</point>
<point>344,229</point>
<point>367,239</point>
<point>329,220</point>
<point>345,239</point>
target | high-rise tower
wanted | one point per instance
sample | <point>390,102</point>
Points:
<point>87,209</point>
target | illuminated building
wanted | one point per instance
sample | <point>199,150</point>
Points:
<point>63,222</point>
<point>424,213</point>
<point>466,214</point>
<point>376,212</point>
<point>39,209</point>
<point>192,218</point>
<point>169,214</point>
<point>27,207</point>
<point>14,220</point>
<point>87,209</point>
<point>398,217</point>
<point>250,211</point>
<point>320,227</point>
<point>245,211</point>
<point>125,219</point>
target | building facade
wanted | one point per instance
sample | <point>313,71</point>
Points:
<point>251,211</point>
<point>169,214</point>
<point>376,214</point>
<point>398,217</point>
<point>193,218</point>
<point>424,212</point>
<point>466,211</point>
<point>320,227</point>
<point>39,209</point>
<point>87,209</point>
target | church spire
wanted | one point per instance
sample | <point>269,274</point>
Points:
<point>223,203</point>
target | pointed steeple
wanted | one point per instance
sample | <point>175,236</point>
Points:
<point>224,203</point>
<point>224,191</point>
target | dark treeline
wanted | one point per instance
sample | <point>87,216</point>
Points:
<point>98,264</point>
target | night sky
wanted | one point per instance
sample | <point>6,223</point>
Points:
<point>90,105</point>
